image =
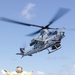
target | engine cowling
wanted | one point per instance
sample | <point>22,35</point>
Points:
<point>33,41</point>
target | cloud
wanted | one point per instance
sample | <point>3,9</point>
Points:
<point>74,65</point>
<point>39,73</point>
<point>26,11</point>
<point>3,72</point>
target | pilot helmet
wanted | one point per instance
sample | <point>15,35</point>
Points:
<point>19,69</point>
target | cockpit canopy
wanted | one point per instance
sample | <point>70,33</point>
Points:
<point>52,33</point>
<point>44,31</point>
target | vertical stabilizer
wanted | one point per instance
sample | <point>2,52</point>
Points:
<point>21,52</point>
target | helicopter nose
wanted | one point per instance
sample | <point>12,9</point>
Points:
<point>63,33</point>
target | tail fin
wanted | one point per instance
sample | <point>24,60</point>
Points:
<point>21,52</point>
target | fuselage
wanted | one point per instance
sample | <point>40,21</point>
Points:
<point>45,41</point>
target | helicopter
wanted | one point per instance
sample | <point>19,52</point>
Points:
<point>47,39</point>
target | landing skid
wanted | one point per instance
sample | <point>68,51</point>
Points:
<point>53,50</point>
<point>48,51</point>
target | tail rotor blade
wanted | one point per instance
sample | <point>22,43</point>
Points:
<point>71,29</point>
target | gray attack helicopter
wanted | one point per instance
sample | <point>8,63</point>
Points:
<point>48,38</point>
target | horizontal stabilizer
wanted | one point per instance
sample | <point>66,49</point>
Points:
<point>21,52</point>
<point>18,53</point>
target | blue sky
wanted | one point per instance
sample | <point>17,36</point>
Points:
<point>12,36</point>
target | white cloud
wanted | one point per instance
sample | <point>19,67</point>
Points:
<point>74,65</point>
<point>3,72</point>
<point>26,11</point>
<point>38,73</point>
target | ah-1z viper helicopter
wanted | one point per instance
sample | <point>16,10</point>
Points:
<point>46,39</point>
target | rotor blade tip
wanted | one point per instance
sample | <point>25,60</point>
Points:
<point>65,9</point>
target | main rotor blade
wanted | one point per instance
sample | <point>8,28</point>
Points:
<point>17,22</point>
<point>70,29</point>
<point>34,33</point>
<point>61,12</point>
